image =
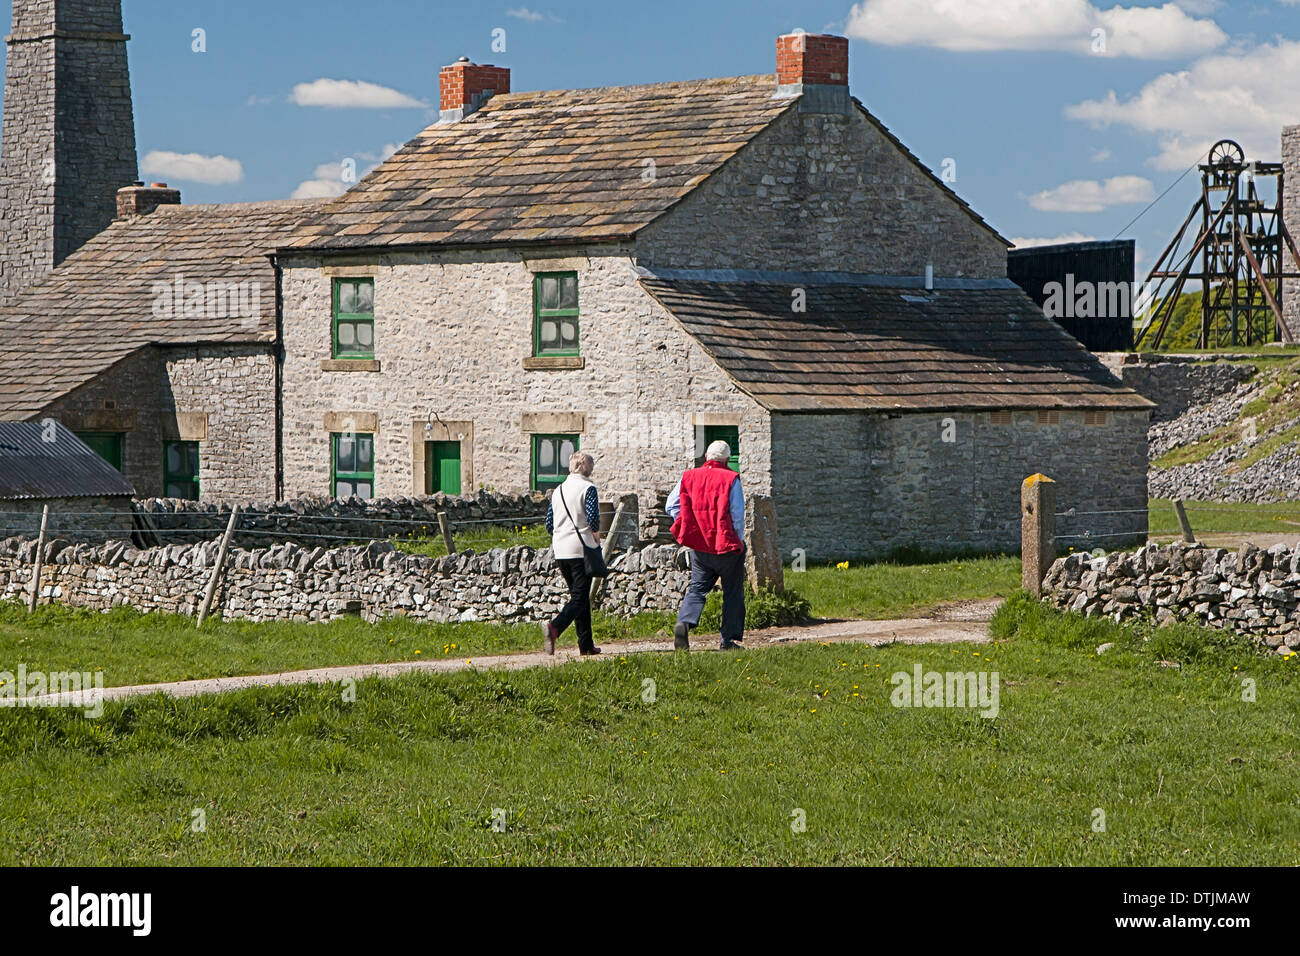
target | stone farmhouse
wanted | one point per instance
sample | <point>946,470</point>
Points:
<point>633,271</point>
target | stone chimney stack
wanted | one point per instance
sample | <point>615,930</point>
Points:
<point>814,66</point>
<point>140,200</point>
<point>69,133</point>
<point>464,86</point>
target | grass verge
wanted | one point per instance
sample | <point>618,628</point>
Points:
<point>580,765</point>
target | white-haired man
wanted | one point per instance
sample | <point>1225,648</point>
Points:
<point>708,511</point>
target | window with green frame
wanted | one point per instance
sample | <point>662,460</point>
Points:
<point>352,466</point>
<point>107,445</point>
<point>181,469</point>
<point>555,313</point>
<point>728,433</point>
<point>551,459</point>
<point>354,318</point>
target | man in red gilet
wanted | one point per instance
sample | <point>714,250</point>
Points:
<point>708,508</point>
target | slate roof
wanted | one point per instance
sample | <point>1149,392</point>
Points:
<point>97,307</point>
<point>65,467</point>
<point>557,165</point>
<point>551,165</point>
<point>887,344</point>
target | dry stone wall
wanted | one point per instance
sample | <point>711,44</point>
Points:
<point>289,582</point>
<point>1252,590</point>
<point>321,520</point>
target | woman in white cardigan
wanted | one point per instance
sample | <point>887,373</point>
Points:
<point>574,520</point>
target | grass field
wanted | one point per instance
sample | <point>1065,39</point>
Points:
<point>1218,516</point>
<point>580,764</point>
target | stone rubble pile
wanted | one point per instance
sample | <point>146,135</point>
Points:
<point>1251,590</point>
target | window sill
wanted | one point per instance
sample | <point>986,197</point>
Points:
<point>553,362</point>
<point>349,365</point>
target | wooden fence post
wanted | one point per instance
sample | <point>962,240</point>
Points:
<point>607,548</point>
<point>40,561</point>
<point>220,565</point>
<point>445,528</point>
<point>1183,522</point>
<point>1037,531</point>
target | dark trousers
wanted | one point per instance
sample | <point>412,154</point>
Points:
<point>706,569</point>
<point>578,610</point>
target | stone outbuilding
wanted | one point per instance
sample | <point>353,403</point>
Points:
<point>46,465</point>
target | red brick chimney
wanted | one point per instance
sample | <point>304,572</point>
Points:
<point>140,200</point>
<point>465,86</point>
<point>816,67</point>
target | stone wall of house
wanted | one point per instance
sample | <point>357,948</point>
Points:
<point>453,349</point>
<point>224,397</point>
<point>288,582</point>
<point>123,399</point>
<point>865,484</point>
<point>823,192</point>
<point>1251,590</point>
<point>1175,383</point>
<point>221,396</point>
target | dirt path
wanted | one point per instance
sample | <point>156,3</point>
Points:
<point>961,622</point>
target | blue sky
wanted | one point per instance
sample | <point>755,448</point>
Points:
<point>1053,130</point>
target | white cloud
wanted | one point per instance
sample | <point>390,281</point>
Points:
<point>192,167</point>
<point>1023,243</point>
<point>523,13</point>
<point>1089,195</point>
<point>1068,25</point>
<point>327,180</point>
<point>1100,155</point>
<point>1247,96</point>
<point>351,94</point>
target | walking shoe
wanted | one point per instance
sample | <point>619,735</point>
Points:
<point>681,636</point>
<point>548,633</point>
<point>589,651</point>
<point>731,646</point>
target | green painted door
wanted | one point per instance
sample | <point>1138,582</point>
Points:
<point>731,435</point>
<point>107,445</point>
<point>442,467</point>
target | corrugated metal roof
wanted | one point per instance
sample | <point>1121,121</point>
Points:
<point>45,460</point>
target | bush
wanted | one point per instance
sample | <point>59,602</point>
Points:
<point>762,609</point>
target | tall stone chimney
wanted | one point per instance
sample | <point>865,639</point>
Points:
<point>1290,202</point>
<point>69,133</point>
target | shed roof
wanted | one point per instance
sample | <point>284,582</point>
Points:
<point>40,460</point>
<point>885,343</point>
<point>102,303</point>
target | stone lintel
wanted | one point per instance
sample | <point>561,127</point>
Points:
<point>347,423</point>
<point>553,423</point>
<point>186,426</point>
